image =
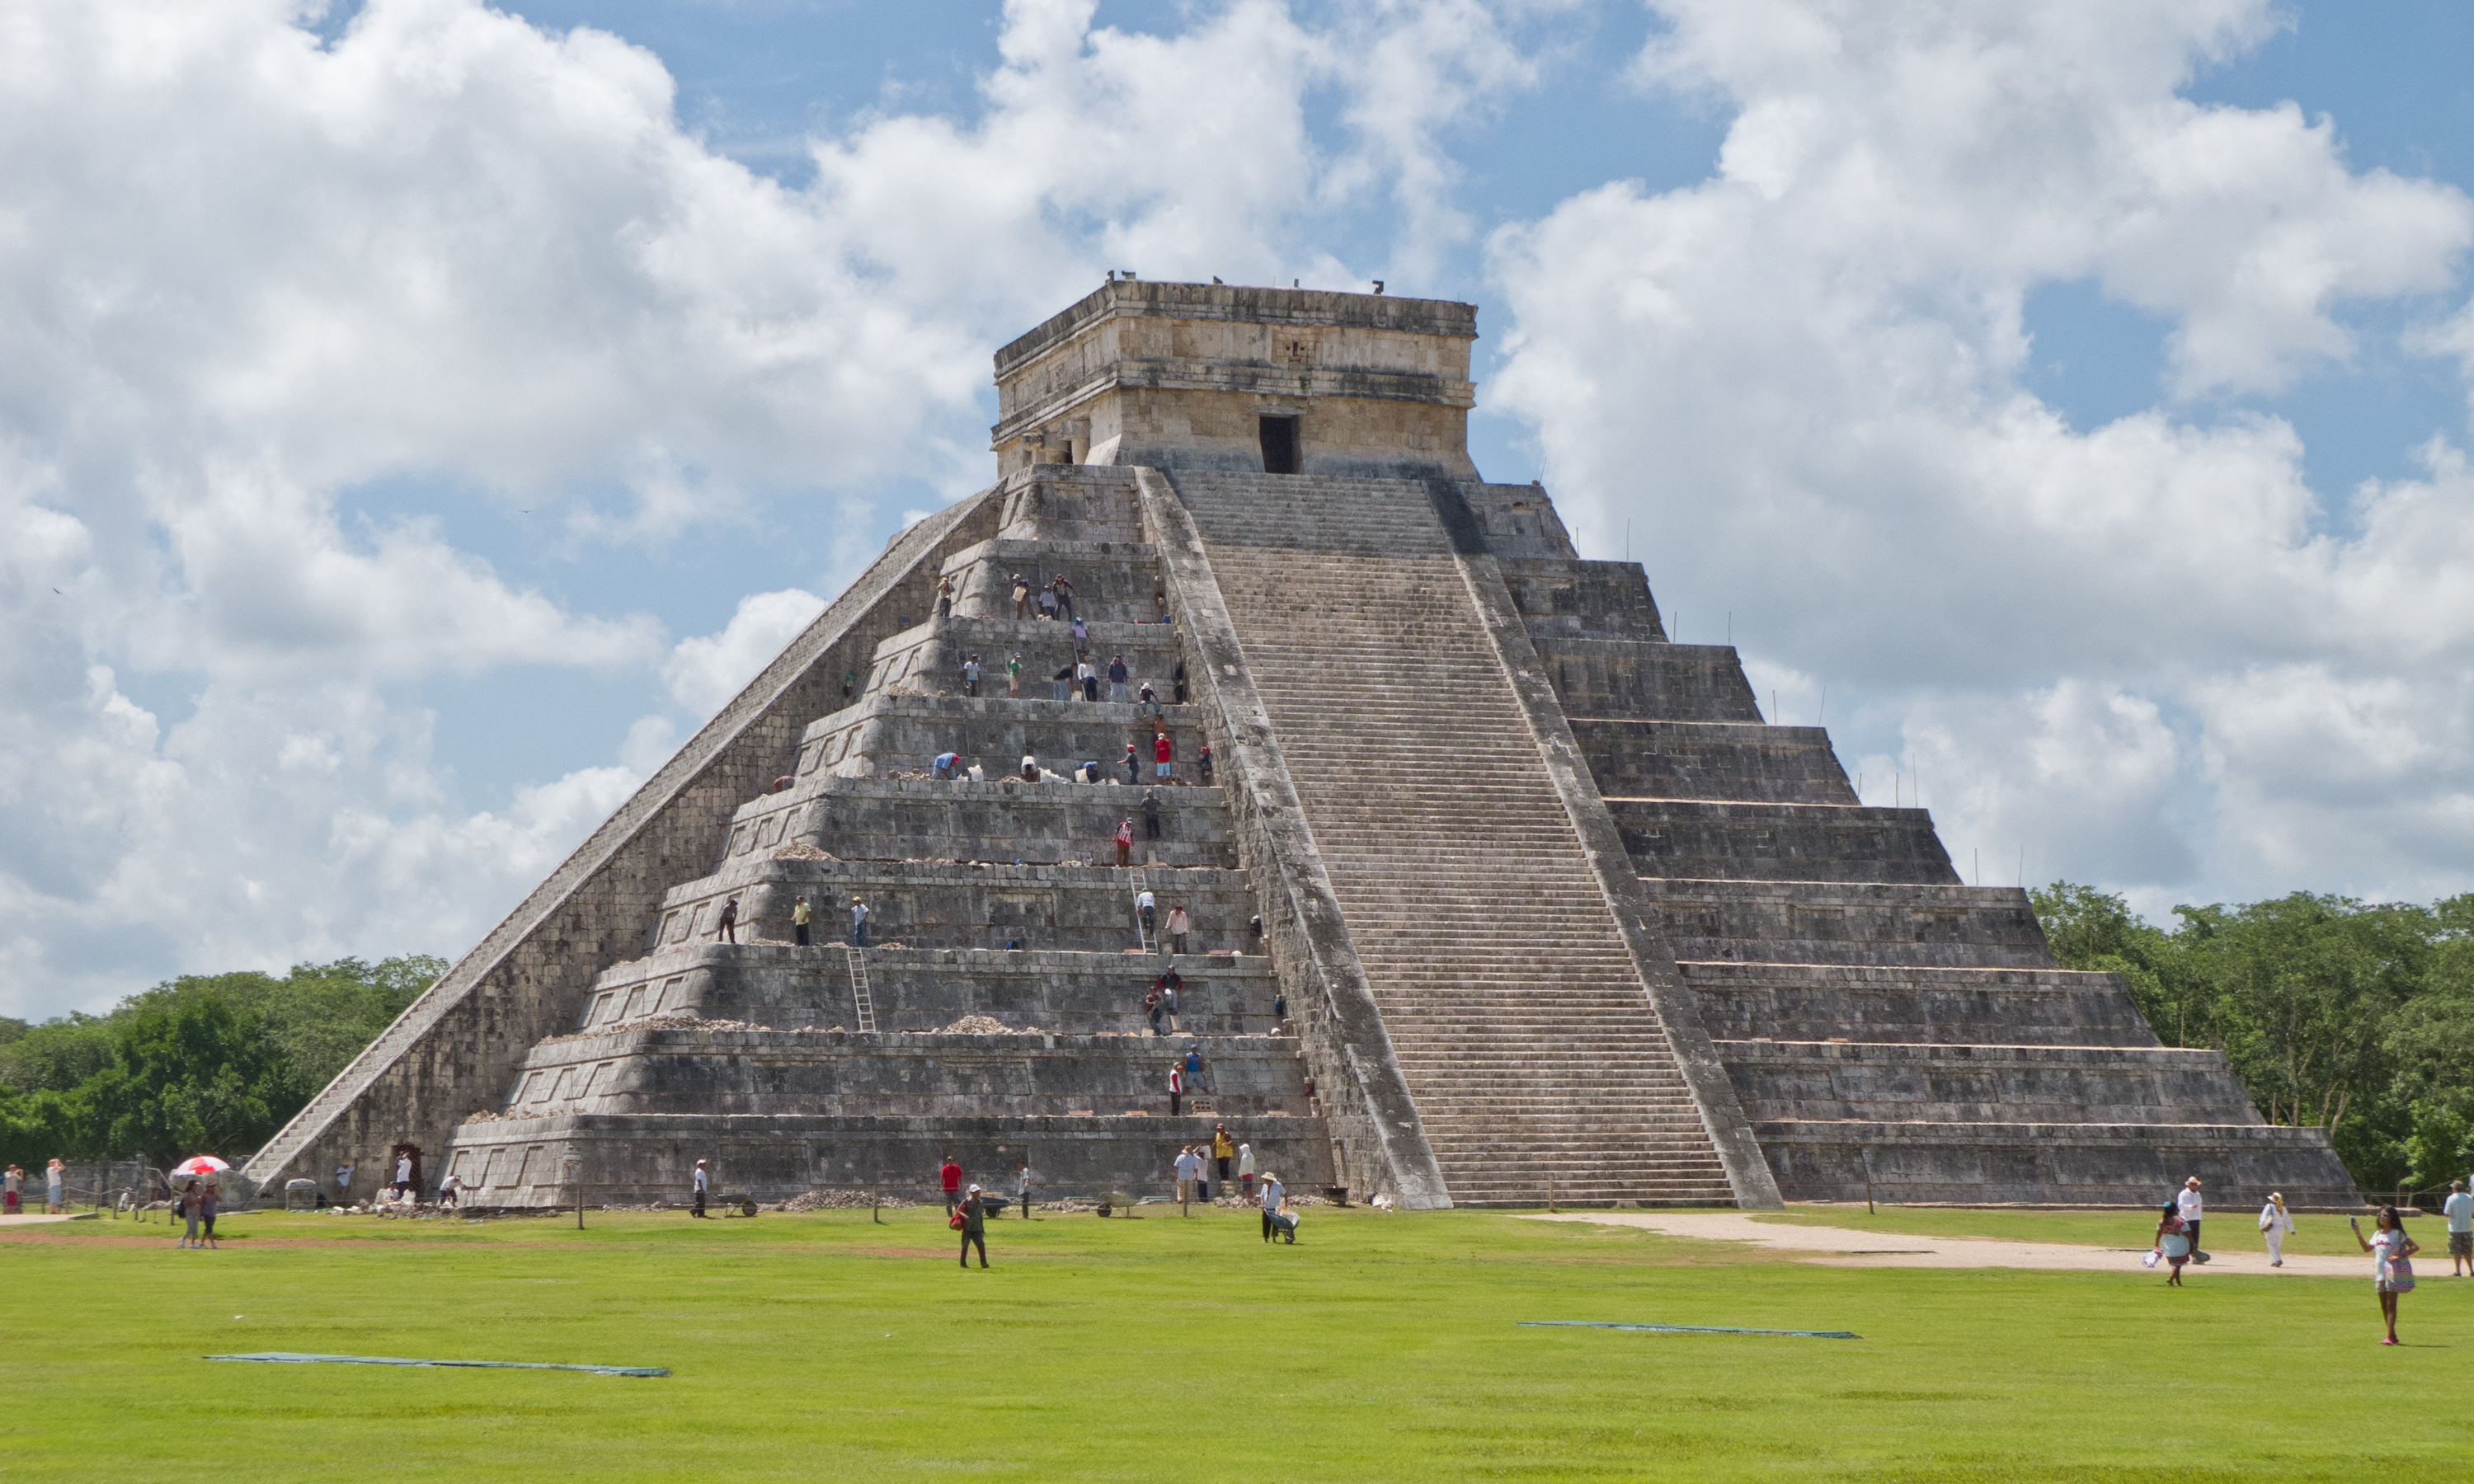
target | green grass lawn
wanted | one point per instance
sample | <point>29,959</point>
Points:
<point>1380,1348</point>
<point>2324,1235</point>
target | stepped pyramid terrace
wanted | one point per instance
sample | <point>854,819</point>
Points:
<point>1545,896</point>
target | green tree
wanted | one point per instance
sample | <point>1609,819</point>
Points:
<point>189,1078</point>
<point>2095,931</point>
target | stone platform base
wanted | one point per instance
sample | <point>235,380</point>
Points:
<point>638,1159</point>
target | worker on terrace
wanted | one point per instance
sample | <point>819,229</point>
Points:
<point>1125,842</point>
<point>726,930</point>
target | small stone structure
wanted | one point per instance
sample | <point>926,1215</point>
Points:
<point>1547,898</point>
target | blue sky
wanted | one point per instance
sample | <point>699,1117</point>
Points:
<point>427,414</point>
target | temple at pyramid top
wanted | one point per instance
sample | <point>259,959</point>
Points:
<point>1216,376</point>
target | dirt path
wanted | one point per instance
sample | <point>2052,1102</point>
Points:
<point>1842,1247</point>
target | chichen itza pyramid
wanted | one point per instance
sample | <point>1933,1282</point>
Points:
<point>1546,896</point>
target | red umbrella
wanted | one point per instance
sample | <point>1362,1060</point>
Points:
<point>200,1166</point>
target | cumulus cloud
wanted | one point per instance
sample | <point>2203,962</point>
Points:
<point>706,671</point>
<point>1803,376</point>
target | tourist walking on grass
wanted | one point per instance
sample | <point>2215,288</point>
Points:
<point>2459,1210</point>
<point>973,1215</point>
<point>207,1204</point>
<point>727,929</point>
<point>949,1176</point>
<point>11,1183</point>
<point>1178,925</point>
<point>1246,1169</point>
<point>1022,1182</point>
<point>2392,1262</point>
<point>1272,1195</point>
<point>2173,1242</point>
<point>2186,1205</point>
<point>2276,1224</point>
<point>702,1184</point>
<point>52,1175</point>
<point>186,1208</point>
<point>800,917</point>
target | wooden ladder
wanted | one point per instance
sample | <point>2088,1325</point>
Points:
<point>859,996</point>
<point>1134,895</point>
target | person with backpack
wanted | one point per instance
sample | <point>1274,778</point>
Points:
<point>971,1219</point>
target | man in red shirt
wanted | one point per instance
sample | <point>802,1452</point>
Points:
<point>952,1175</point>
<point>1162,754</point>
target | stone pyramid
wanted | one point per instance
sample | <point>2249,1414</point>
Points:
<point>1549,903</point>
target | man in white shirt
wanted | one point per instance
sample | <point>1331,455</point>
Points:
<point>1188,1167</point>
<point>2186,1205</point>
<point>702,1181</point>
<point>2458,1209</point>
<point>402,1173</point>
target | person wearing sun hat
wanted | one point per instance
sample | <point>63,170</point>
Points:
<point>975,1228</point>
<point>702,1181</point>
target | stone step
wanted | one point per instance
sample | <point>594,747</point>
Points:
<point>1912,1004</point>
<point>894,819</point>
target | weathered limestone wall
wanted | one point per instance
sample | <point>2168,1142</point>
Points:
<point>690,1069</point>
<point>787,988</point>
<point>1037,824</point>
<point>1178,375</point>
<point>537,1161</point>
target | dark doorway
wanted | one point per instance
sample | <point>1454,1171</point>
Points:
<point>1279,446</point>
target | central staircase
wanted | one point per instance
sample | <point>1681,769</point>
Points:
<point>1517,1015</point>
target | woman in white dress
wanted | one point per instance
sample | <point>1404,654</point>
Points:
<point>2392,1262</point>
<point>2275,1224</point>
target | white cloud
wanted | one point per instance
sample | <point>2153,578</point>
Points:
<point>1803,375</point>
<point>703,673</point>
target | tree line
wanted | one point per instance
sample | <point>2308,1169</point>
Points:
<point>205,1064</point>
<point>2353,1016</point>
